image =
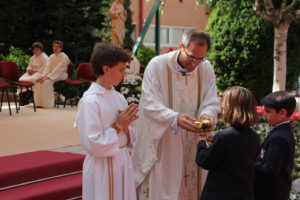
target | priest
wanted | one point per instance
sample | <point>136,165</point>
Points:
<point>178,88</point>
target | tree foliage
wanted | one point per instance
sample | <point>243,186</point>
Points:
<point>144,55</point>
<point>128,25</point>
<point>235,53</point>
<point>78,23</point>
<point>242,48</point>
<point>212,4</point>
<point>18,56</point>
<point>293,56</point>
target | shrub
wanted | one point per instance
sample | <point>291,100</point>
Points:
<point>144,55</point>
<point>17,55</point>
<point>242,48</point>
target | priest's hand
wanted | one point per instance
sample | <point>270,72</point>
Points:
<point>211,127</point>
<point>127,116</point>
<point>185,121</point>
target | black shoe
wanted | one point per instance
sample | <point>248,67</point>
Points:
<point>23,103</point>
<point>25,97</point>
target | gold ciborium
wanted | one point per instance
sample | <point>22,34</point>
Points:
<point>204,125</point>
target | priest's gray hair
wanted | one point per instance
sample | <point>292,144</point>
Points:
<point>191,35</point>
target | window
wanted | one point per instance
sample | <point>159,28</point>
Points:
<point>133,33</point>
<point>177,34</point>
<point>164,35</point>
<point>169,36</point>
<point>150,35</point>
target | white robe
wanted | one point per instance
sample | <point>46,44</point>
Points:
<point>159,154</point>
<point>107,168</point>
<point>37,63</point>
<point>134,67</point>
<point>55,71</point>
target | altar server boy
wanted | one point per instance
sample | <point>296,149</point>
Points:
<point>104,121</point>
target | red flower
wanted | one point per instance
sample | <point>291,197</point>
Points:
<point>260,110</point>
<point>295,117</point>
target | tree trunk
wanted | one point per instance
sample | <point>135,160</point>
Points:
<point>280,37</point>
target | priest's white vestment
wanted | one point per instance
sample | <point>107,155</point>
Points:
<point>107,168</point>
<point>162,155</point>
<point>134,66</point>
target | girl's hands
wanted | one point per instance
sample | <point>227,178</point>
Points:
<point>208,139</point>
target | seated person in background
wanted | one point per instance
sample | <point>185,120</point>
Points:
<point>37,64</point>
<point>134,63</point>
<point>55,71</point>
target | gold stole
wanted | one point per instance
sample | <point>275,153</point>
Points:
<point>110,177</point>
<point>199,170</point>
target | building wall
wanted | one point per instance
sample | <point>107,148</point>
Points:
<point>176,15</point>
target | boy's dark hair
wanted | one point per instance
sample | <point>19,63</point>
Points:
<point>60,43</point>
<point>280,100</point>
<point>38,45</point>
<point>107,54</point>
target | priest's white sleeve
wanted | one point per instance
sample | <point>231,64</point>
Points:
<point>154,101</point>
<point>155,119</point>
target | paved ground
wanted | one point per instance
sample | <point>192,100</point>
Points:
<point>45,129</point>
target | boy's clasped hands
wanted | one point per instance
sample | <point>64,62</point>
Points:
<point>126,117</point>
